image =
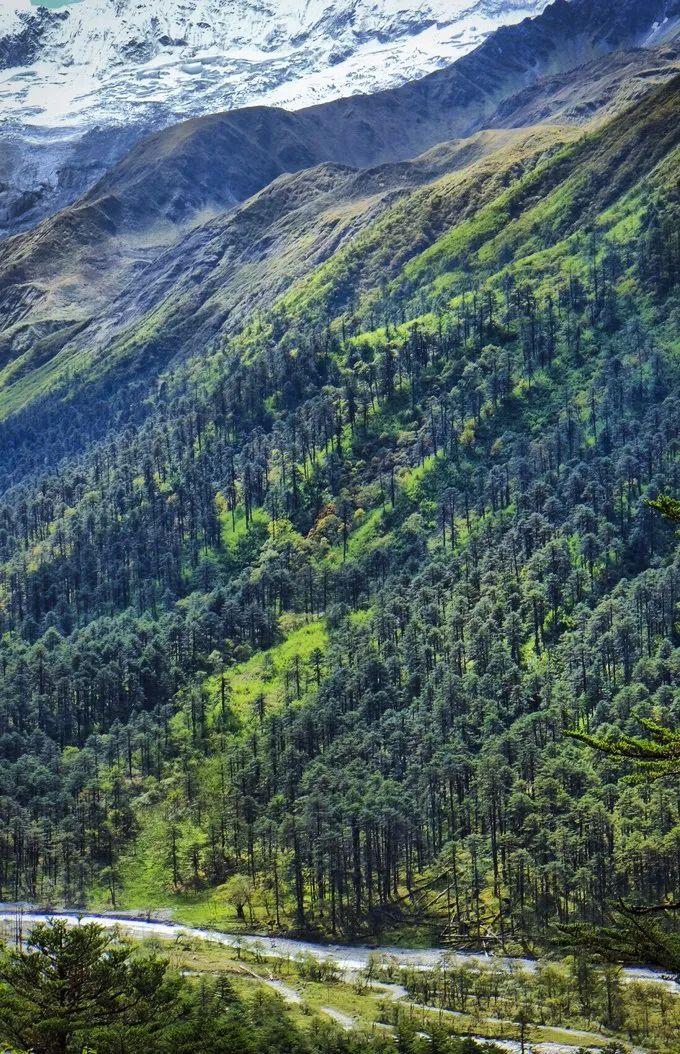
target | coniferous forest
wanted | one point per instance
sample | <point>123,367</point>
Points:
<point>360,621</point>
<point>322,621</point>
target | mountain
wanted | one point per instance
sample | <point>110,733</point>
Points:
<point>179,177</point>
<point>116,312</point>
<point>79,83</point>
<point>318,618</point>
<point>100,60</point>
<point>334,450</point>
<point>599,88</point>
<point>201,164</point>
<point>94,63</point>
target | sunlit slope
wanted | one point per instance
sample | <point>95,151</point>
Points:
<point>133,319</point>
<point>324,240</point>
<point>64,274</point>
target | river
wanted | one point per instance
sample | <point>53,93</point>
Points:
<point>351,958</point>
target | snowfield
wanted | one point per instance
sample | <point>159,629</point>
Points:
<point>115,61</point>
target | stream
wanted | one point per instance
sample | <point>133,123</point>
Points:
<point>350,958</point>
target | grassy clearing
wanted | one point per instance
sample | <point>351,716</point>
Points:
<point>268,679</point>
<point>144,880</point>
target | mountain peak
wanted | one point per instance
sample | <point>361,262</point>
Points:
<point>119,60</point>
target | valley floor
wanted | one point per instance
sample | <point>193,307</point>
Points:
<point>356,986</point>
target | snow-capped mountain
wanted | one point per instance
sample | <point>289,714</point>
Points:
<point>82,81</point>
<point>116,61</point>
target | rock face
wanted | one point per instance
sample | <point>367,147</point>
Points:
<point>80,83</point>
<point>25,34</point>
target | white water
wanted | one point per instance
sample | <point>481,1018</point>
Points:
<point>350,958</point>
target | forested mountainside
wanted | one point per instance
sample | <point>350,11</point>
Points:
<point>305,642</point>
<point>66,285</point>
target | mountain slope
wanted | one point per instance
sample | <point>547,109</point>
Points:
<point>117,335</point>
<point>317,627</point>
<point>200,163</point>
<point>174,178</point>
<point>79,84</point>
<point>103,60</point>
<point>594,91</point>
<point>387,125</point>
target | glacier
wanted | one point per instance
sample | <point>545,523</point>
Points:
<point>117,60</point>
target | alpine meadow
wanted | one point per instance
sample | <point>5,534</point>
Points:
<point>339,534</point>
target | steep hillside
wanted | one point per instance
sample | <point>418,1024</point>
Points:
<point>202,163</point>
<point>594,91</point>
<point>43,168</point>
<point>58,282</point>
<point>309,638</point>
<point>119,333</point>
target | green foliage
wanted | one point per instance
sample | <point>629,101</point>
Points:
<point>658,756</point>
<point>74,987</point>
<point>630,935</point>
<point>668,507</point>
<point>572,994</point>
<point>317,626</point>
